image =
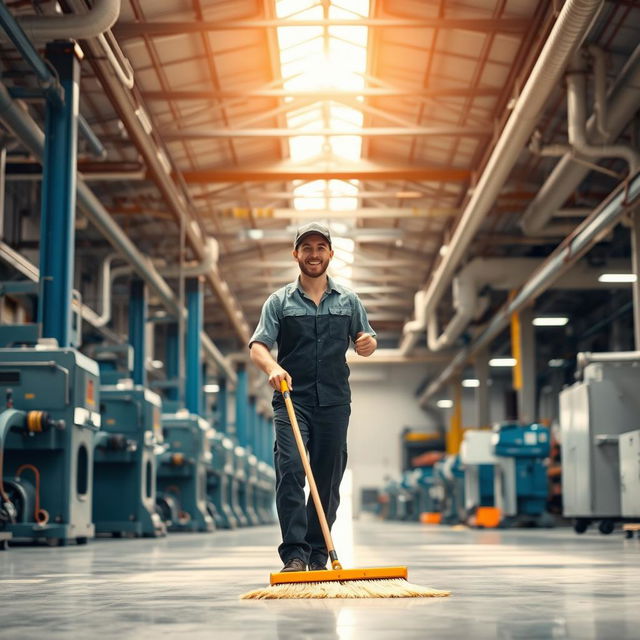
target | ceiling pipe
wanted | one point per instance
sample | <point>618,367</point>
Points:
<point>194,269</point>
<point>505,274</point>
<point>159,170</point>
<point>620,202</point>
<point>99,19</point>
<point>623,101</point>
<point>28,132</point>
<point>569,30</point>
<point>577,116</point>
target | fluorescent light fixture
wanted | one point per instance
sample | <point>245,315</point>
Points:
<point>556,362</point>
<point>502,362</point>
<point>444,404</point>
<point>211,388</point>
<point>617,277</point>
<point>550,321</point>
<point>255,234</point>
<point>157,364</point>
<point>471,383</point>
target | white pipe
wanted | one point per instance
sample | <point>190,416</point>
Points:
<point>570,28</point>
<point>623,101</point>
<point>194,269</point>
<point>119,62</point>
<point>576,105</point>
<point>585,357</point>
<point>105,291</point>
<point>84,26</point>
<point>600,88</point>
<point>506,274</point>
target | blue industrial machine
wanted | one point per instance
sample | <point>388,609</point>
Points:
<point>182,472</point>
<point>448,489</point>
<point>219,480</point>
<point>125,465</point>
<point>51,398</point>
<point>520,477</point>
<point>477,460</point>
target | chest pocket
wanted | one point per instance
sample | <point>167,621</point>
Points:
<point>288,312</point>
<point>339,322</point>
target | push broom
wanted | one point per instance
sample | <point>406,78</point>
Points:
<point>377,582</point>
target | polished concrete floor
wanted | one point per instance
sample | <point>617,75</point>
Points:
<point>505,584</point>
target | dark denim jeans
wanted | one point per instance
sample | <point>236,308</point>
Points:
<point>324,432</point>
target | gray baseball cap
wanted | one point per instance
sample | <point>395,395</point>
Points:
<point>309,229</point>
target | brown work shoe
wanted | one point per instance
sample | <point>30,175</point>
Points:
<point>315,565</point>
<point>295,564</point>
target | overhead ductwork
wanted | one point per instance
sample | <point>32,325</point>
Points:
<point>570,28</point>
<point>28,132</point>
<point>504,274</point>
<point>623,101</point>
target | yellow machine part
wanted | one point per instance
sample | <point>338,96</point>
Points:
<point>330,575</point>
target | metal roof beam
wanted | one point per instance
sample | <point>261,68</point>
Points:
<point>359,170</point>
<point>207,134</point>
<point>320,95</point>
<point>128,30</point>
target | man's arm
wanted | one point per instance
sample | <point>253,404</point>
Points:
<point>262,358</point>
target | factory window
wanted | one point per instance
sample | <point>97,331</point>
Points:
<point>325,60</point>
<point>82,472</point>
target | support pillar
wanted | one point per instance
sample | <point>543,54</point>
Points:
<point>221,405</point>
<point>242,405</point>
<point>137,324</point>
<point>171,361</point>
<point>481,366</point>
<point>635,266</point>
<point>454,434</point>
<point>193,390</point>
<point>524,372</point>
<point>57,226</point>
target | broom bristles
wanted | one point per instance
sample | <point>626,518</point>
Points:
<point>385,588</point>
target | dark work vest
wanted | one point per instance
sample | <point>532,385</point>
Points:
<point>312,349</point>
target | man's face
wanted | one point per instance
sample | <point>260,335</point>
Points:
<point>313,255</point>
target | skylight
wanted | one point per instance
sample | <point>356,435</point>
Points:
<point>325,58</point>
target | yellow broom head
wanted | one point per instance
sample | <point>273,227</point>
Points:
<point>379,582</point>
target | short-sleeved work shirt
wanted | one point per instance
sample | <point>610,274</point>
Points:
<point>313,340</point>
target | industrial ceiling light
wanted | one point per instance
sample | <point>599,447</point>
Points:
<point>502,362</point>
<point>211,388</point>
<point>617,277</point>
<point>471,383</point>
<point>550,321</point>
<point>556,362</point>
<point>444,404</point>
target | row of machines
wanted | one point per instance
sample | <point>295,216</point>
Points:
<point>600,432</point>
<point>84,451</point>
<point>503,468</point>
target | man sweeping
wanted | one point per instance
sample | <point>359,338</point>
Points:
<point>312,321</point>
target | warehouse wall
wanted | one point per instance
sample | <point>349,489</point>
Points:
<point>383,404</point>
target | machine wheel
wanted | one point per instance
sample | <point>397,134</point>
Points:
<point>82,540</point>
<point>581,525</point>
<point>606,527</point>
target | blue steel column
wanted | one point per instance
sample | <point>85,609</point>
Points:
<point>193,390</point>
<point>171,359</point>
<point>57,229</point>
<point>251,424</point>
<point>241,406</point>
<point>259,437</point>
<point>137,324</point>
<point>221,405</point>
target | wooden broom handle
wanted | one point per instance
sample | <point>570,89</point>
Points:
<point>307,471</point>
